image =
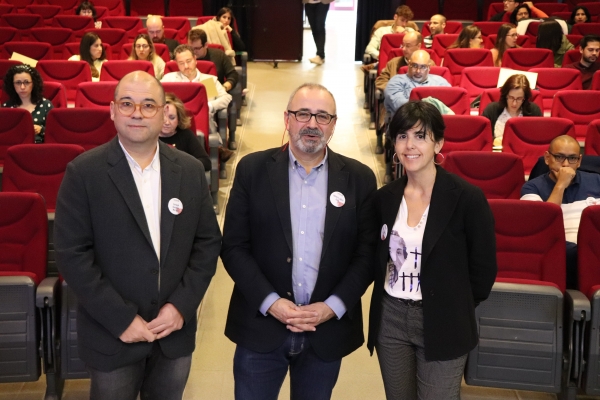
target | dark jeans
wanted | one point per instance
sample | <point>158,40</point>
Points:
<point>317,14</point>
<point>156,377</point>
<point>259,376</point>
<point>572,265</point>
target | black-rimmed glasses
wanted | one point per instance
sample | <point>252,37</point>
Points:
<point>561,158</point>
<point>305,116</point>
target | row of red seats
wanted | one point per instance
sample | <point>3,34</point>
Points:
<point>118,7</point>
<point>561,10</point>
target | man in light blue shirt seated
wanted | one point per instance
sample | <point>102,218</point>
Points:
<point>399,87</point>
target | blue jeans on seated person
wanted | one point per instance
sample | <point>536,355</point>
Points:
<point>155,377</point>
<point>259,376</point>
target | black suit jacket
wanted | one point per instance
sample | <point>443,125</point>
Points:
<point>105,253</point>
<point>257,251</point>
<point>458,267</point>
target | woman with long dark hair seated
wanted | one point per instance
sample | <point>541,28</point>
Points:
<point>25,89</point>
<point>226,18</point>
<point>92,52</point>
<point>469,38</point>
<point>551,36</point>
<point>506,39</point>
<point>515,101</point>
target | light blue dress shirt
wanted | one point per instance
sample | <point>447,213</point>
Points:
<point>308,203</point>
<point>399,87</point>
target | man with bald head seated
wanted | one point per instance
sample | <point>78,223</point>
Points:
<point>137,241</point>
<point>399,87</point>
<point>568,187</point>
<point>156,31</point>
<point>437,24</point>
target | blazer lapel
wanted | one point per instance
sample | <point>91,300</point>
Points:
<point>170,177</point>
<point>444,199</point>
<point>280,184</point>
<point>120,173</point>
<point>337,181</point>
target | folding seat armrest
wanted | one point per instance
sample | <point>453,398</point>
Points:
<point>222,125</point>
<point>378,94</point>
<point>578,305</point>
<point>47,293</point>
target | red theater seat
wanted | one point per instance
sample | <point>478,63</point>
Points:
<point>130,24</point>
<point>95,94</point>
<point>592,139</point>
<point>477,79</point>
<point>114,37</point>
<point>115,7</point>
<point>36,50</point>
<point>467,133</point>
<point>77,23</point>
<point>69,73</point>
<point>552,80</point>
<point>579,106</point>
<point>455,98</point>
<point>180,24</point>
<point>9,34</point>
<point>16,128</point>
<point>47,12</point>
<point>68,6</point>
<point>185,8</point>
<point>591,28</point>
<point>441,43</point>
<point>5,65</point>
<point>458,59</point>
<point>85,127</point>
<point>22,22</point>
<point>526,59</point>
<point>57,37</point>
<point>116,70</point>
<point>56,93</point>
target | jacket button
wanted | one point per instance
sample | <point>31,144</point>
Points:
<point>154,302</point>
<point>289,294</point>
<point>289,260</point>
<point>154,272</point>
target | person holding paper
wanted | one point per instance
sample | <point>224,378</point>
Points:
<point>568,187</point>
<point>24,87</point>
<point>515,101</point>
<point>218,98</point>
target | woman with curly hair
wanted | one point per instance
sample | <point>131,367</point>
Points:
<point>515,101</point>
<point>87,9</point>
<point>469,38</point>
<point>143,49</point>
<point>506,39</point>
<point>25,88</point>
<point>176,131</point>
<point>92,52</point>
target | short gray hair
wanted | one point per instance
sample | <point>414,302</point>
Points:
<point>314,86</point>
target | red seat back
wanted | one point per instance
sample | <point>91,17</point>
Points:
<point>499,175</point>
<point>116,70</point>
<point>21,4</point>
<point>147,7</point>
<point>38,169</point>
<point>101,13</point>
<point>493,9</point>
<point>490,95</point>
<point>467,133</point>
<point>388,42</point>
<point>477,79</point>
<point>571,56</point>
<point>180,24</point>
<point>23,235</point>
<point>69,73</point>
<point>114,37</point>
<point>95,94</point>
<point>574,39</point>
<point>36,50</point>
<point>488,28</point>
<point>206,67</point>
<point>68,6</point>
<point>77,23</point>
<point>56,93</point>
<point>455,98</point>
<point>85,127</point>
<point>16,128</point>
<point>551,8</point>
<point>5,65</point>
<point>588,257</point>
<point>441,43</point>
<point>57,37</point>
<point>529,137</point>
<point>590,28</point>
<point>7,9</point>
<point>454,27</point>
<point>592,138</point>
<point>435,70</point>
<point>530,241</point>
<point>130,24</point>
<point>193,95</point>
<point>115,7</point>
<point>580,106</point>
<point>458,59</point>
<point>596,81</point>
<point>532,31</point>
<point>22,22</point>
<point>171,66</point>
<point>47,12</point>
<point>9,34</point>
<point>552,80</point>
<point>526,59</point>
<point>186,8</point>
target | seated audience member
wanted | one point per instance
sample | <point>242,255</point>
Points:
<point>506,39</point>
<point>156,31</point>
<point>469,38</point>
<point>511,5</point>
<point>580,15</point>
<point>550,36</point>
<point>226,18</point>
<point>399,87</point>
<point>24,87</point>
<point>401,17</point>
<point>176,131</point>
<point>437,24</point>
<point>568,187</point>
<point>216,33</point>
<point>515,96</point>
<point>184,55</point>
<point>92,52</point>
<point>143,49</point>
<point>226,72</point>
<point>589,46</point>
<point>87,9</point>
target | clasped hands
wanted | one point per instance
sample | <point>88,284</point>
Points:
<point>168,320</point>
<point>300,318</point>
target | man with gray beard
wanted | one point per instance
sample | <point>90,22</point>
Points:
<point>298,242</point>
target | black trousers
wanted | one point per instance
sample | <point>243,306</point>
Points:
<point>317,14</point>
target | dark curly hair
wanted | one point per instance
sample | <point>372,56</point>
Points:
<point>9,86</point>
<point>412,113</point>
<point>513,16</point>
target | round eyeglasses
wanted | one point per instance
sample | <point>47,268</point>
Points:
<point>147,109</point>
